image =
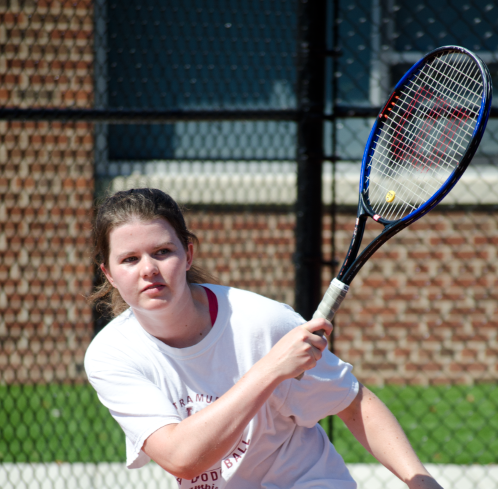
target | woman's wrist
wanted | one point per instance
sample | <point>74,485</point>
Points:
<point>267,374</point>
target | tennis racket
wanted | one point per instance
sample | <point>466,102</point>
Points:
<point>420,145</point>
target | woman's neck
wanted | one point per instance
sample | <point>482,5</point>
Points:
<point>179,325</point>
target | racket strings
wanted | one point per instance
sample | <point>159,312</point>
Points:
<point>428,124</point>
<point>401,149</point>
<point>432,116</point>
<point>457,88</point>
<point>425,135</point>
<point>426,188</point>
<point>416,156</point>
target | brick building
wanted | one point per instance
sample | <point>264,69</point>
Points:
<point>423,311</point>
<point>47,187</point>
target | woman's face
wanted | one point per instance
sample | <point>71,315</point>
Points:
<point>148,264</point>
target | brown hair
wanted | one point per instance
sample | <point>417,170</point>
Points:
<point>144,204</point>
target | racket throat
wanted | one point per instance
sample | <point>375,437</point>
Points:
<point>388,232</point>
<point>354,248</point>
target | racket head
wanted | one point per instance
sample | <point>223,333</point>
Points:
<point>425,136</point>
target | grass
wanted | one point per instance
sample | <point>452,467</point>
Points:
<point>446,424</point>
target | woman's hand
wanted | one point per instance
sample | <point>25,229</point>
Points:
<point>298,350</point>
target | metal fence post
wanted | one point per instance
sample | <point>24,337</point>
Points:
<point>311,104</point>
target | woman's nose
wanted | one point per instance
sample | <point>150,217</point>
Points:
<point>149,267</point>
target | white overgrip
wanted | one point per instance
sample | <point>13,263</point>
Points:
<point>330,304</point>
<point>332,300</point>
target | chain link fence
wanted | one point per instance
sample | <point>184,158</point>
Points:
<point>199,98</point>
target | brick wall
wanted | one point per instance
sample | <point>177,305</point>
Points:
<point>47,53</point>
<point>423,309</point>
<point>46,191</point>
<point>248,250</point>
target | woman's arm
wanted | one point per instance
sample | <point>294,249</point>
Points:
<point>192,446</point>
<point>376,428</point>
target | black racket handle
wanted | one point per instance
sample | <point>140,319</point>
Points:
<point>329,305</point>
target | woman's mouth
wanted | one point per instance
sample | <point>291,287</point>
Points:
<point>153,288</point>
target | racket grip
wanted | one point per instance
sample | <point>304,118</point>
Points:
<point>332,300</point>
<point>330,304</point>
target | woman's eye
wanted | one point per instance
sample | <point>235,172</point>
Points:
<point>129,259</point>
<point>163,252</point>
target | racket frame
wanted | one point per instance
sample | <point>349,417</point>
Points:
<point>353,263</point>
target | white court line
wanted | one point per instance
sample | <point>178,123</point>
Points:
<point>116,476</point>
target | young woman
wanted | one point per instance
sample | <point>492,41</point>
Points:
<point>201,378</point>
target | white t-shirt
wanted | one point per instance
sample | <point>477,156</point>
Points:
<point>147,384</point>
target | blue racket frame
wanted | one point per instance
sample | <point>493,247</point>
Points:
<point>352,263</point>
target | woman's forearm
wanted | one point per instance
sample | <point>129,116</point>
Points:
<point>376,428</point>
<point>191,447</point>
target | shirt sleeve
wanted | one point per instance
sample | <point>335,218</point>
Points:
<point>137,404</point>
<point>326,389</point>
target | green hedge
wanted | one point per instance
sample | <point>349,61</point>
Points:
<point>446,424</point>
<point>47,423</point>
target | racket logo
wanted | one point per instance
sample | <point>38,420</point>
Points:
<point>376,217</point>
<point>426,132</point>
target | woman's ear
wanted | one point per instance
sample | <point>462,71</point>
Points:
<point>107,274</point>
<point>190,255</point>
